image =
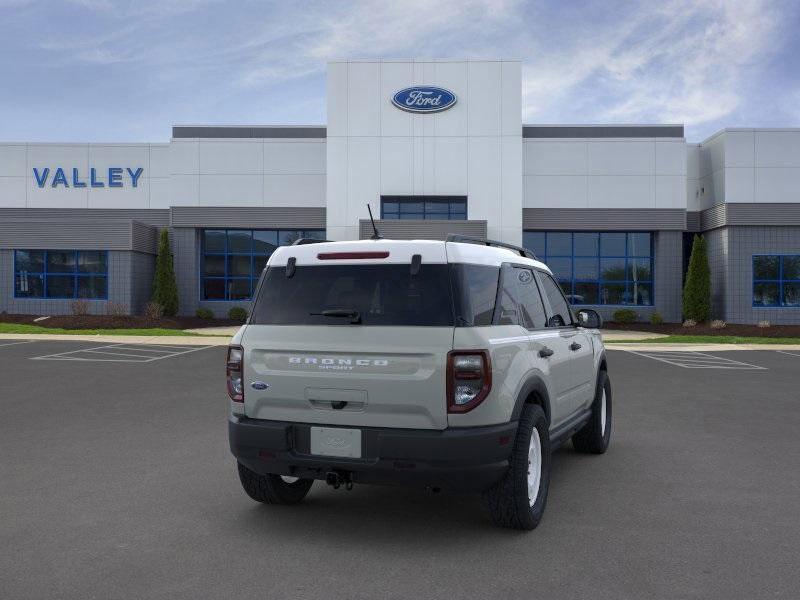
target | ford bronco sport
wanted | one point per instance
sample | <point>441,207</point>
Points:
<point>454,365</point>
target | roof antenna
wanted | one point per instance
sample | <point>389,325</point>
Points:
<point>376,235</point>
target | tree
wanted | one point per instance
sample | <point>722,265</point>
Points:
<point>165,288</point>
<point>697,290</point>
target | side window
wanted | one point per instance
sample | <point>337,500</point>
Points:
<point>530,301</point>
<point>520,301</point>
<point>508,301</point>
<point>561,315</point>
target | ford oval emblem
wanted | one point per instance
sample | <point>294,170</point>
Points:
<point>259,385</point>
<point>424,99</point>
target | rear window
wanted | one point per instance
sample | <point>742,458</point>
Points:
<point>381,294</point>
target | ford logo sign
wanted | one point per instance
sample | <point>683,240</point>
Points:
<point>259,385</point>
<point>424,99</point>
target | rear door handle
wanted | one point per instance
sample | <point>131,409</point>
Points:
<point>545,352</point>
<point>574,346</point>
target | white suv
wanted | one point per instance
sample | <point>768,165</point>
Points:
<point>451,365</point>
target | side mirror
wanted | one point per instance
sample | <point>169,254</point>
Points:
<point>589,318</point>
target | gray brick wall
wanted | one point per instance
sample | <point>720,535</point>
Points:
<point>744,242</point>
<point>717,250</point>
<point>186,253</point>
<point>668,276</point>
<point>142,271</point>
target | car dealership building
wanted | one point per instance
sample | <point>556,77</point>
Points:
<point>435,147</point>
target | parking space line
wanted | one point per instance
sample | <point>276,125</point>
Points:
<point>3,345</point>
<point>787,353</point>
<point>144,357</point>
<point>698,360</point>
<point>181,353</point>
<point>131,353</point>
<point>152,350</point>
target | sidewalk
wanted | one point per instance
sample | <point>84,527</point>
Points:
<point>155,340</point>
<point>612,335</point>
<point>229,331</point>
<point>677,347</point>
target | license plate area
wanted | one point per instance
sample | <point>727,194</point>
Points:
<point>336,441</point>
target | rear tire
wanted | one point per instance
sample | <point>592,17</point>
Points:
<point>518,500</point>
<point>273,489</point>
<point>596,434</point>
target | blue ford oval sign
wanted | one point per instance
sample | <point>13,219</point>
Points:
<point>424,99</point>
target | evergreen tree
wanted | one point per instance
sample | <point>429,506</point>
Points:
<point>697,290</point>
<point>165,288</point>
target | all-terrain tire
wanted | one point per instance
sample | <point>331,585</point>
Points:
<point>272,489</point>
<point>594,437</point>
<point>509,501</point>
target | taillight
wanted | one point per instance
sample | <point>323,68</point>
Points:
<point>234,373</point>
<point>469,379</point>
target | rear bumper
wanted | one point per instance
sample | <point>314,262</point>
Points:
<point>462,459</point>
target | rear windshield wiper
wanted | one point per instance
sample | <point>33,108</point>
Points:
<point>345,313</point>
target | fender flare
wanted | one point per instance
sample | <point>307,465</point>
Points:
<point>533,384</point>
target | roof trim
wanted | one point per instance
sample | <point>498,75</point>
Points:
<point>602,131</point>
<point>249,131</point>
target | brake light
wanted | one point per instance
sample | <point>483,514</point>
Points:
<point>351,255</point>
<point>469,379</point>
<point>234,372</point>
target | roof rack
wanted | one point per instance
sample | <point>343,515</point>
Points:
<point>304,241</point>
<point>453,237</point>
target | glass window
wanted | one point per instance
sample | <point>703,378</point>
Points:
<point>452,208</point>
<point>264,242</point>
<point>63,274</point>
<point>214,241</point>
<point>612,244</point>
<point>520,300</point>
<point>240,242</point>
<point>598,267</point>
<point>560,315</point>
<point>766,267</point>
<point>530,300</point>
<point>474,293</point>
<point>559,244</point>
<point>535,242</point>
<point>381,294</point>
<point>776,280</point>
<point>60,261</point>
<point>586,244</point>
<point>791,267</point>
<point>232,259</point>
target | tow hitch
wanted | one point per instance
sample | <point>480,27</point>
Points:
<point>338,479</point>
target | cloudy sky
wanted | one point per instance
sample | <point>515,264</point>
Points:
<point>107,70</point>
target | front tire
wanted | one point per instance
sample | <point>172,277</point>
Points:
<point>596,434</point>
<point>273,489</point>
<point>518,500</point>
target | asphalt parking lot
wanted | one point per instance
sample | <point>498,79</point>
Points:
<point>116,482</point>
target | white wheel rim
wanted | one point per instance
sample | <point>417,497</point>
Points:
<point>534,466</point>
<point>603,413</point>
<point>289,478</point>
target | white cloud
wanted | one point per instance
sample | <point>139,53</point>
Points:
<point>685,62</point>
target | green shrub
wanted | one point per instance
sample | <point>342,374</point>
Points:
<point>697,290</point>
<point>237,313</point>
<point>624,315</point>
<point>165,288</point>
<point>656,318</point>
<point>204,313</point>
